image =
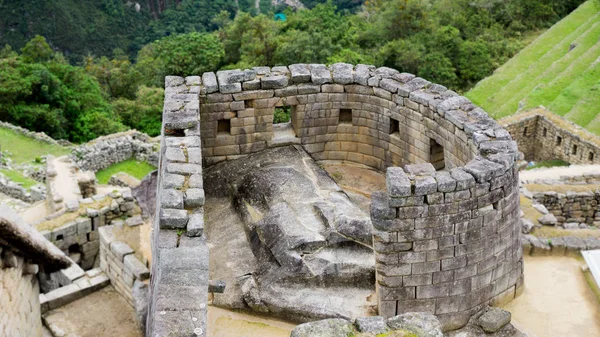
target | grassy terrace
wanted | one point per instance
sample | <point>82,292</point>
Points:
<point>131,166</point>
<point>560,70</point>
<point>17,177</point>
<point>24,149</point>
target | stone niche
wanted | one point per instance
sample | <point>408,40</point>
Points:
<point>446,230</point>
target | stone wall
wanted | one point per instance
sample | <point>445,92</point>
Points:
<point>118,261</point>
<point>179,281</point>
<point>106,151</point>
<point>80,235</point>
<point>15,190</point>
<point>377,117</point>
<point>447,242</point>
<point>572,207</point>
<point>19,296</point>
<point>542,135</point>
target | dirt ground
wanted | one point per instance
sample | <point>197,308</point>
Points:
<point>557,301</point>
<point>104,313</point>
<point>225,323</point>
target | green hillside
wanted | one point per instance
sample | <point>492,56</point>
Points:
<point>559,70</point>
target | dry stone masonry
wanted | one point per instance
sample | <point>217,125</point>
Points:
<point>179,281</point>
<point>447,228</point>
<point>542,135</point>
<point>23,253</point>
<point>108,150</point>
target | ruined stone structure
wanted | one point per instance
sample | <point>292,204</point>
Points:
<point>542,135</point>
<point>572,207</point>
<point>108,150</point>
<point>446,231</point>
<point>23,252</point>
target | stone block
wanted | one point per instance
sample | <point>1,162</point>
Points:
<point>194,197</point>
<point>120,249</point>
<point>84,225</point>
<point>493,319</point>
<point>195,226</point>
<point>342,73</point>
<point>171,198</point>
<point>320,74</point>
<point>425,169</point>
<point>374,325</point>
<point>397,182</point>
<point>173,218</point>
<point>138,269</point>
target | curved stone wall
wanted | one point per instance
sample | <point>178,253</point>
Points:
<point>446,230</point>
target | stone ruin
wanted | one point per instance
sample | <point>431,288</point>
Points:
<point>445,233</point>
<point>542,135</point>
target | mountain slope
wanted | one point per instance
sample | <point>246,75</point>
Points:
<point>560,70</point>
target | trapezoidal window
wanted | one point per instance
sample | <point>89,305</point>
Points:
<point>574,150</point>
<point>591,156</point>
<point>285,125</point>
<point>558,141</point>
<point>436,155</point>
<point>224,127</point>
<point>525,131</point>
<point>345,116</point>
<point>394,126</point>
<point>545,132</point>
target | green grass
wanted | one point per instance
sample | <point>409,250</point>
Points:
<point>548,163</point>
<point>24,149</point>
<point>131,166</point>
<point>17,177</point>
<point>548,73</point>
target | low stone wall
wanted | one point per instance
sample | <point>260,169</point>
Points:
<point>558,246</point>
<point>572,207</point>
<point>106,151</point>
<point>40,136</point>
<point>15,190</point>
<point>80,235</point>
<point>179,281</point>
<point>118,261</point>
<point>542,135</point>
<point>19,297</point>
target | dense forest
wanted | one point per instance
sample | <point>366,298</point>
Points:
<point>88,69</point>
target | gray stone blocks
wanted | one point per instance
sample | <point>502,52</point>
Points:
<point>432,230</point>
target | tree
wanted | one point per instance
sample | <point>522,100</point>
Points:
<point>144,113</point>
<point>117,76</point>
<point>36,50</point>
<point>183,55</point>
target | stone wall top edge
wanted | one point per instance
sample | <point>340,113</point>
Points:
<point>497,152</point>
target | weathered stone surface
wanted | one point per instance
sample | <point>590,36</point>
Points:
<point>425,169</point>
<point>397,182</point>
<point>375,325</point>
<point>342,73</point>
<point>334,327</point>
<point>274,82</point>
<point>419,323</point>
<point>319,74</point>
<point>140,303</point>
<point>300,73</point>
<point>493,319</point>
<point>548,220</point>
<point>527,226</point>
